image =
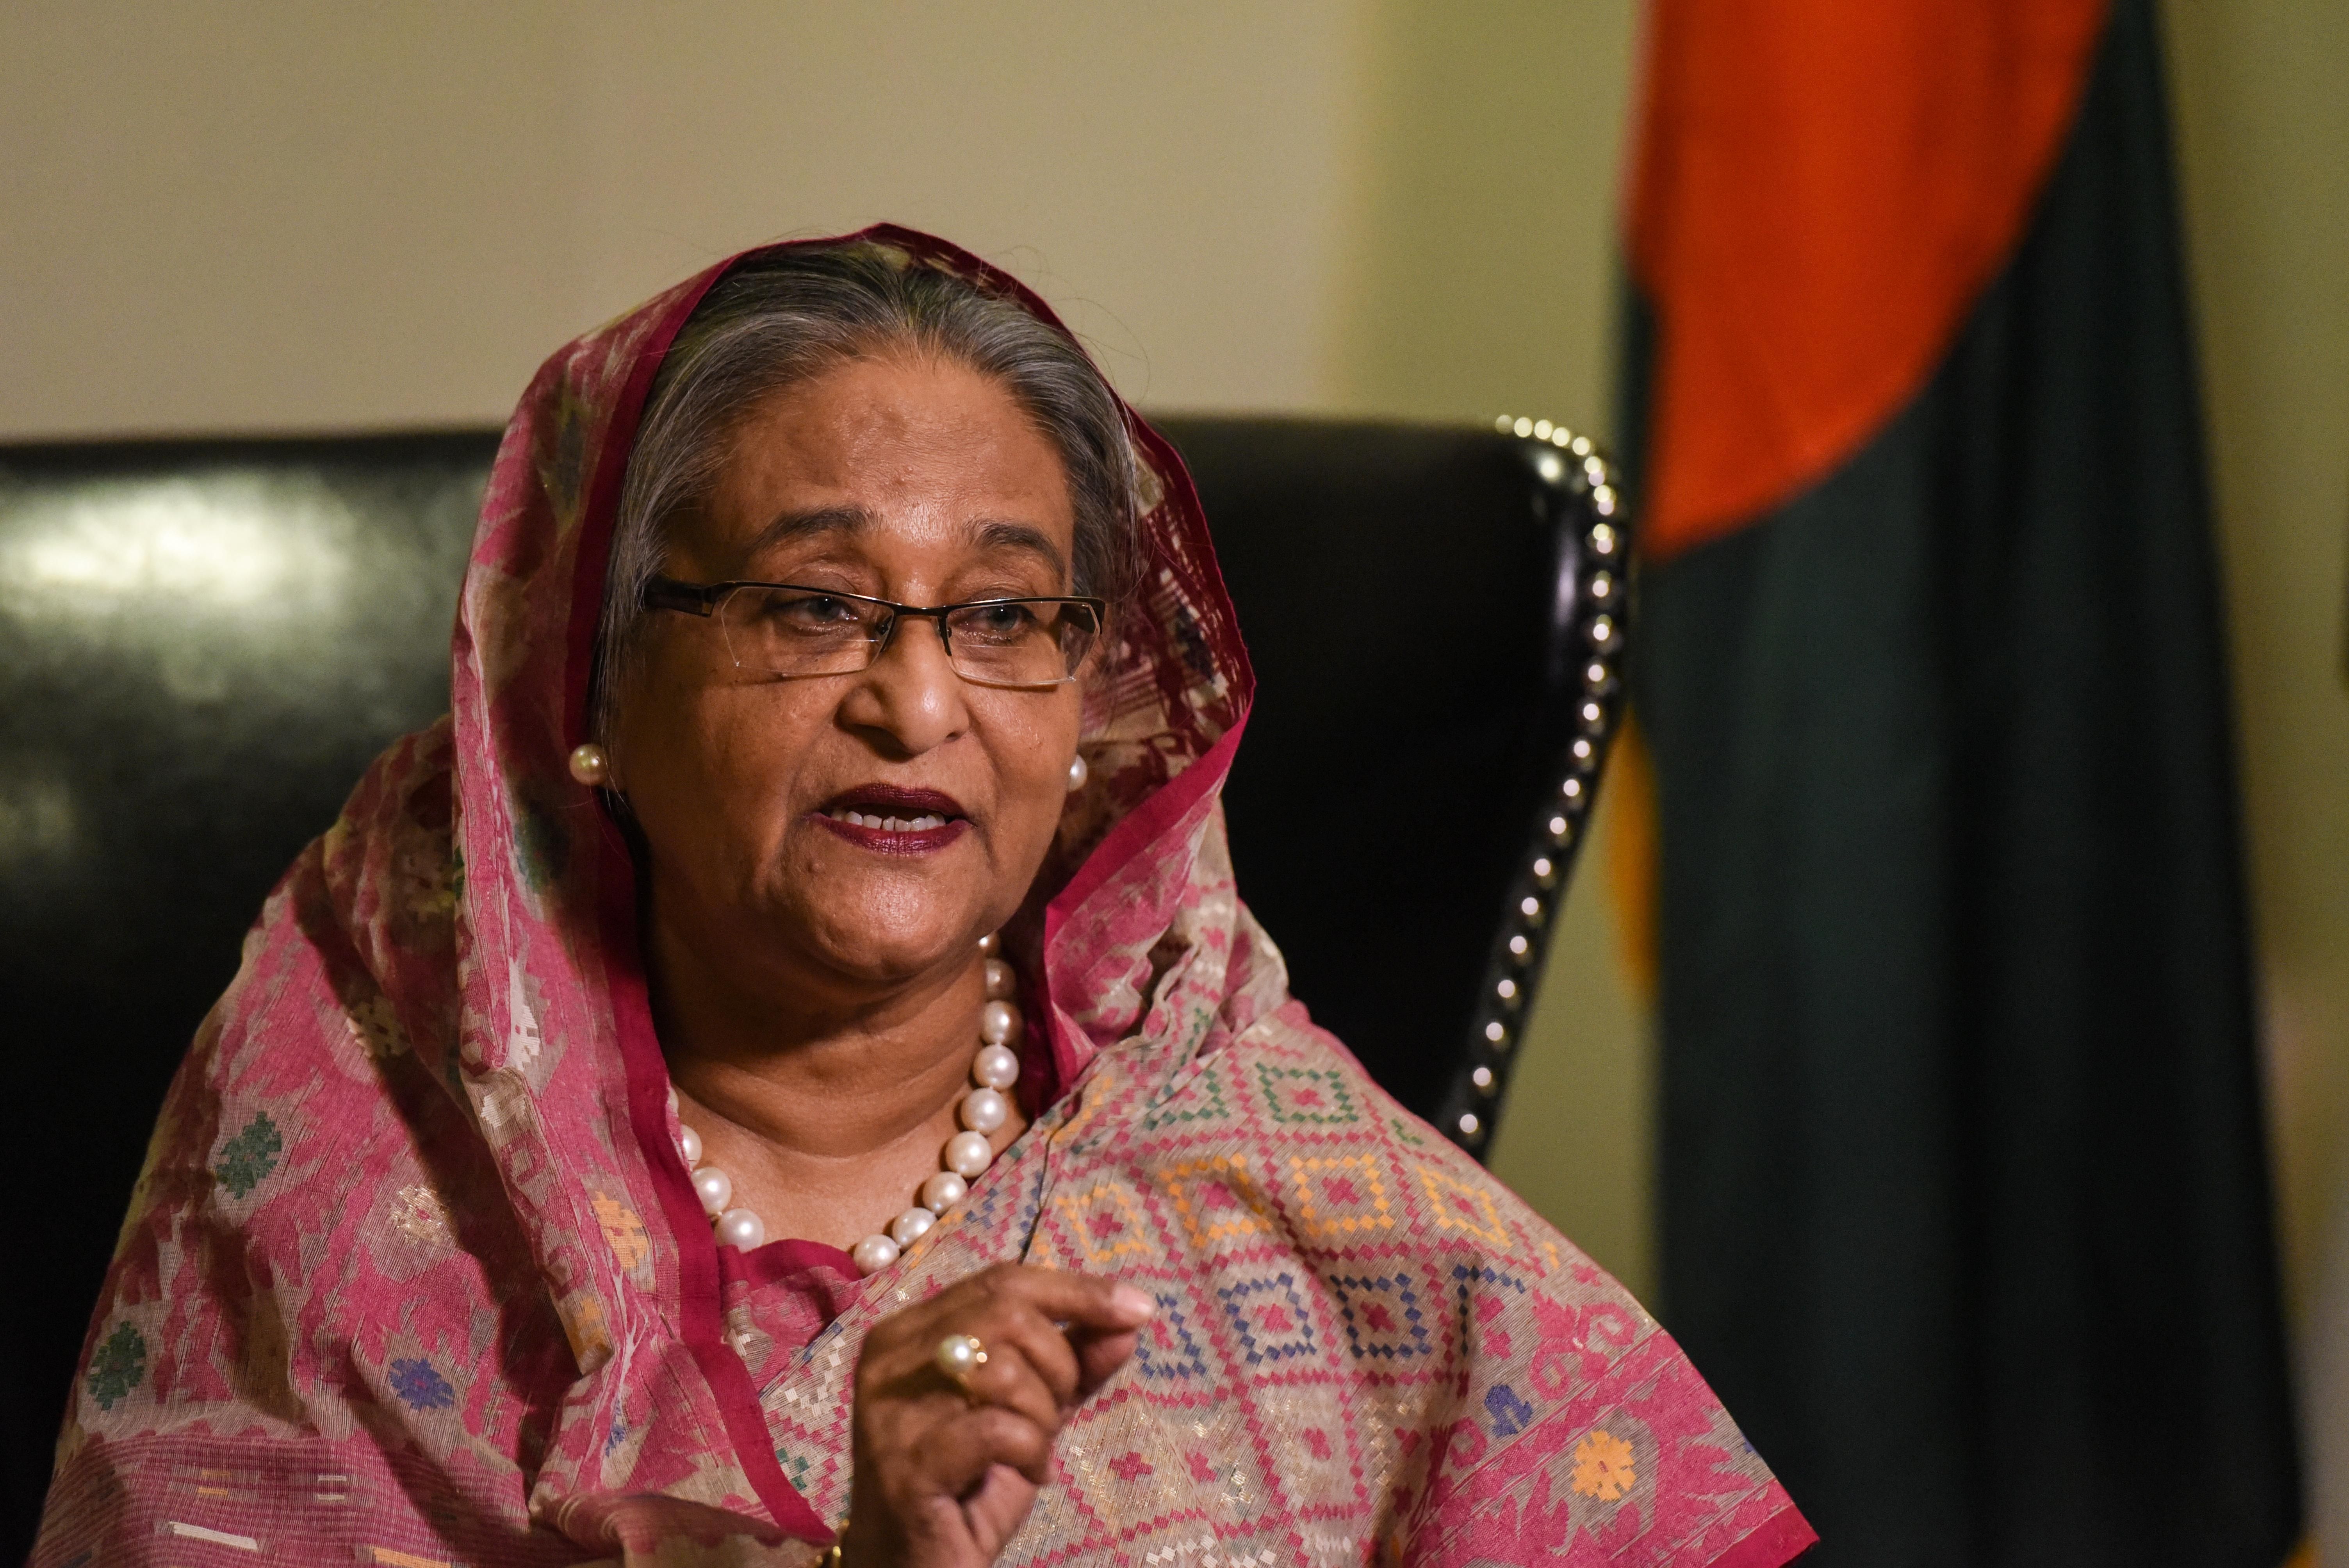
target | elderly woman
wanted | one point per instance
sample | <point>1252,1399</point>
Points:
<point>781,1073</point>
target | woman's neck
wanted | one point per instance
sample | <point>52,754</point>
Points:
<point>827,1117</point>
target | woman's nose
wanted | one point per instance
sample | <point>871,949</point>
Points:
<point>910,694</point>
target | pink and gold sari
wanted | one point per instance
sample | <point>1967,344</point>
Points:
<point>414,1274</point>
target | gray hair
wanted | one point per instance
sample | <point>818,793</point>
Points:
<point>790,314</point>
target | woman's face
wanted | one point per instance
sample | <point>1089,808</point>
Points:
<point>897,479</point>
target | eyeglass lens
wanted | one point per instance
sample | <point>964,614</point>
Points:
<point>1012,643</point>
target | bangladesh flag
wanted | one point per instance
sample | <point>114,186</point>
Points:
<point>1964,1195</point>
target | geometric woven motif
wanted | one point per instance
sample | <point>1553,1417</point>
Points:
<point>1458,1205</point>
<point>1383,1316</point>
<point>1167,1355</point>
<point>1219,1200</point>
<point>1311,1095</point>
<point>1107,1220</point>
<point>1339,1197</point>
<point>1271,1320</point>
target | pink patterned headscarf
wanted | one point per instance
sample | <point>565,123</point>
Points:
<point>415,1275</point>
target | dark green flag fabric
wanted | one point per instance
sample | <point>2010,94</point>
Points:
<point>1964,1200</point>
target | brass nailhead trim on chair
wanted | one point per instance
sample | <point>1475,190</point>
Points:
<point>1588,495</point>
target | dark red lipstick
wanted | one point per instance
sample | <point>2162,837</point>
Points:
<point>891,821</point>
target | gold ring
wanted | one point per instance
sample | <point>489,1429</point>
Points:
<point>959,1355</point>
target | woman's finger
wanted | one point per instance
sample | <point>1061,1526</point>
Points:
<point>1019,1331</point>
<point>1009,1377</point>
<point>952,1453</point>
<point>1015,1304</point>
<point>1029,1368</point>
<point>1087,1301</point>
<point>1098,1356</point>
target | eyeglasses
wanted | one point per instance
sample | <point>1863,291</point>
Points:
<point>783,629</point>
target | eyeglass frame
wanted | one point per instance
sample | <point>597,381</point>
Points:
<point>703,598</point>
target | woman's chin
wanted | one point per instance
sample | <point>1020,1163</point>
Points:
<point>891,952</point>
<point>885,926</point>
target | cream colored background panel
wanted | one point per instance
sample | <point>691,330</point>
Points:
<point>1176,179</point>
<point>2264,142</point>
<point>305,217</point>
<point>232,217</point>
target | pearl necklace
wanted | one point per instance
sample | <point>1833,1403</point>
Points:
<point>967,1154</point>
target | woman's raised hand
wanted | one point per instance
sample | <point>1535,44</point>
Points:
<point>944,1476</point>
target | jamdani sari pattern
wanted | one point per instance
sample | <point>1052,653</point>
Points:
<point>414,1274</point>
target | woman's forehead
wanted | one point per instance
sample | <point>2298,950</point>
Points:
<point>857,532</point>
<point>872,453</point>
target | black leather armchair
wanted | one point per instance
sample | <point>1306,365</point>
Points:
<point>202,644</point>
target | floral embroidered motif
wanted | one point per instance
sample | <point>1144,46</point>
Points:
<point>623,1230</point>
<point>118,1366</point>
<point>250,1156</point>
<point>417,1213</point>
<point>1602,1466</point>
<point>420,1386</point>
<point>1511,1415</point>
<point>524,1039</point>
<point>583,1324</point>
<point>375,1029</point>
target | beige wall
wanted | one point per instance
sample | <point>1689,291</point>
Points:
<point>278,217</point>
<point>1480,280</point>
<point>2264,155</point>
<point>282,216</point>
<point>2263,139</point>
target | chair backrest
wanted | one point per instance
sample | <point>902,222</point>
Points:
<point>1435,626</point>
<point>202,644</point>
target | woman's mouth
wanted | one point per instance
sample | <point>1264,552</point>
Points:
<point>894,822</point>
<point>921,824</point>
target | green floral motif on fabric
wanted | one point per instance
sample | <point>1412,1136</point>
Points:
<point>250,1155</point>
<point>119,1366</point>
<point>1305,1095</point>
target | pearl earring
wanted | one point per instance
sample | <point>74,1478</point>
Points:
<point>589,765</point>
<point>1078,773</point>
